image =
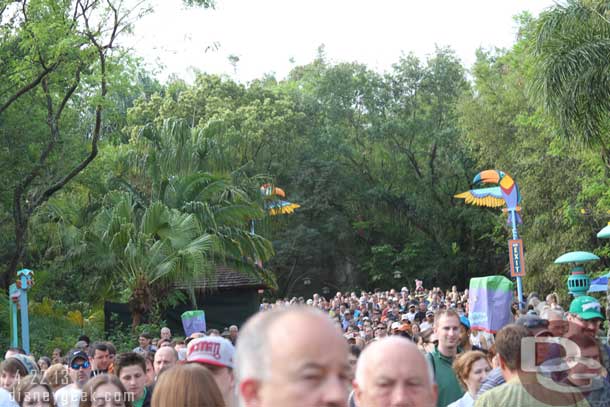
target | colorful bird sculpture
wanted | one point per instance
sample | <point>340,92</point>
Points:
<point>507,192</point>
<point>277,207</point>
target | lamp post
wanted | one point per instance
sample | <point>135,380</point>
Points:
<point>605,234</point>
<point>579,281</point>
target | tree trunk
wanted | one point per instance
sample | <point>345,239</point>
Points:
<point>136,319</point>
<point>21,220</point>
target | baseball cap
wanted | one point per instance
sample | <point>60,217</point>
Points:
<point>405,328</point>
<point>464,321</point>
<point>211,350</point>
<point>428,313</point>
<point>404,317</point>
<point>77,354</point>
<point>396,325</point>
<point>586,307</point>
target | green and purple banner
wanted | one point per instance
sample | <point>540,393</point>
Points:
<point>489,300</point>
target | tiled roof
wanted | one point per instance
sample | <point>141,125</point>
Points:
<point>225,277</point>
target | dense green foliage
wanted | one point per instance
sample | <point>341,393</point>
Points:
<point>373,159</point>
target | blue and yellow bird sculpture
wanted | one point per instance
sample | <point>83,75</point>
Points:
<point>505,193</point>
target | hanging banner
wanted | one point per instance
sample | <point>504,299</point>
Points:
<point>489,300</point>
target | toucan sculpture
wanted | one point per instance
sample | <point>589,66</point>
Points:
<point>507,192</point>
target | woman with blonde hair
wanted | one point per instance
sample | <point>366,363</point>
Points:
<point>187,386</point>
<point>33,390</point>
<point>105,390</point>
<point>471,369</point>
<point>57,376</point>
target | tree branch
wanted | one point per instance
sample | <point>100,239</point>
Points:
<point>28,87</point>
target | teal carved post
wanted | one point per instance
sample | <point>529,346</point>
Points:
<point>13,299</point>
<point>24,282</point>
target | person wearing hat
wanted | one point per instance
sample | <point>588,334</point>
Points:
<point>428,322</point>
<point>411,313</point>
<point>79,370</point>
<point>585,316</point>
<point>216,353</point>
<point>420,315</point>
<point>14,368</point>
<point>465,343</point>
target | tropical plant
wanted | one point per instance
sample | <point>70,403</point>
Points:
<point>571,44</point>
<point>141,251</point>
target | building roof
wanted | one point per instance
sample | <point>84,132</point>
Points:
<point>224,278</point>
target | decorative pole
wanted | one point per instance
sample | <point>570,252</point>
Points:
<point>505,193</point>
<point>14,295</point>
<point>25,282</point>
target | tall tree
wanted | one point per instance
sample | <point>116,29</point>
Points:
<point>50,52</point>
<point>571,44</point>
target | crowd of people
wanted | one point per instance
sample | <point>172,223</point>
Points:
<point>376,349</point>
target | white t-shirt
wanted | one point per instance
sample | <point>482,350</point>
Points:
<point>410,316</point>
<point>68,396</point>
<point>425,325</point>
<point>6,399</point>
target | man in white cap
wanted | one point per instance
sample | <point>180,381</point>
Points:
<point>216,353</point>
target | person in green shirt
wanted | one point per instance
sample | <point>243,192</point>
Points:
<point>447,330</point>
<point>523,389</point>
<point>130,367</point>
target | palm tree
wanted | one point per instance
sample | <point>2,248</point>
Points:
<point>142,251</point>
<point>177,164</point>
<point>571,44</point>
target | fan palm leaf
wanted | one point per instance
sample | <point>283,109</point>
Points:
<point>572,76</point>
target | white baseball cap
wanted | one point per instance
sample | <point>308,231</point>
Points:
<point>211,350</point>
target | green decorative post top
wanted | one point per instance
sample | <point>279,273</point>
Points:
<point>578,282</point>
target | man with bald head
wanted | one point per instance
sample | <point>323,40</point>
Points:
<point>392,372</point>
<point>292,357</point>
<point>165,358</point>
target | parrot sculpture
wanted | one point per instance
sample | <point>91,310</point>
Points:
<point>277,207</point>
<point>505,193</point>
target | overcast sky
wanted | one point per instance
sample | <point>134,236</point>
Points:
<point>267,35</point>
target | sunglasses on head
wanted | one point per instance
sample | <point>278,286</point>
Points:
<point>77,366</point>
